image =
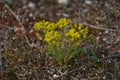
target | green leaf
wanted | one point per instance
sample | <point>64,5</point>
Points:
<point>57,55</point>
<point>94,55</point>
<point>86,52</point>
<point>74,53</point>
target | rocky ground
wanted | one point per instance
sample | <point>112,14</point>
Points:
<point>23,56</point>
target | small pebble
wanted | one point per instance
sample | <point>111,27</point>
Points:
<point>89,2</point>
<point>106,32</point>
<point>31,15</point>
<point>31,5</point>
<point>64,2</point>
<point>66,15</point>
<point>55,76</point>
<point>97,38</point>
<point>104,39</point>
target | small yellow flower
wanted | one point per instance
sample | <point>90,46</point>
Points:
<point>71,32</point>
<point>75,25</point>
<point>38,35</point>
<point>77,44</point>
<point>66,34</point>
<point>47,40</point>
<point>62,23</point>
<point>80,27</point>
<point>77,35</point>
<point>55,43</point>
<point>72,39</point>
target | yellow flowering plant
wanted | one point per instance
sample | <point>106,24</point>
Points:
<point>63,39</point>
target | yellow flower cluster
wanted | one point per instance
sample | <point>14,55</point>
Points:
<point>45,26</point>
<point>63,38</point>
<point>77,33</point>
<point>53,37</point>
<point>73,33</point>
<point>62,23</point>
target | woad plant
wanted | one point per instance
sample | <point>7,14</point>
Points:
<point>63,39</point>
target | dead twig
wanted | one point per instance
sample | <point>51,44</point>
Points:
<point>10,28</point>
<point>1,70</point>
<point>66,73</point>
<point>100,28</point>
<point>111,56</point>
<point>23,28</point>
